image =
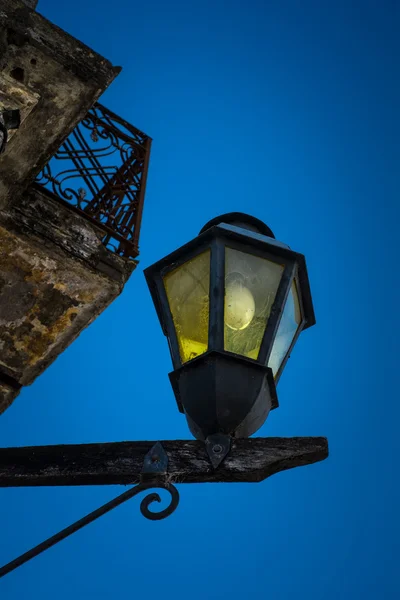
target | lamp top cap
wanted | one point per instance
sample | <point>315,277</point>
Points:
<point>240,220</point>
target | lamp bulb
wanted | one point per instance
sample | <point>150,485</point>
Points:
<point>239,303</point>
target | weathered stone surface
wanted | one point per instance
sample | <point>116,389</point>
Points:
<point>55,274</point>
<point>8,393</point>
<point>38,216</point>
<point>15,95</point>
<point>62,75</point>
<point>46,299</point>
<point>56,277</point>
<point>30,3</point>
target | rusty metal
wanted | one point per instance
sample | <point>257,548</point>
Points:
<point>101,171</point>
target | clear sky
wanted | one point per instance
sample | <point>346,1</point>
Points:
<point>288,110</point>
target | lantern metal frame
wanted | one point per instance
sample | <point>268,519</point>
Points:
<point>216,238</point>
<point>223,393</point>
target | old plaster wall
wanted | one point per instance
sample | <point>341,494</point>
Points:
<point>54,78</point>
<point>56,277</point>
<point>30,3</point>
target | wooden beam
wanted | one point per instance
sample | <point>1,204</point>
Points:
<point>250,460</point>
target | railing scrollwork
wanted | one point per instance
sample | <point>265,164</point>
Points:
<point>101,170</point>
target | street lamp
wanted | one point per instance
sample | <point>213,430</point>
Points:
<point>232,303</point>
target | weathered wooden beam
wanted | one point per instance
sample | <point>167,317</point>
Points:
<point>250,460</point>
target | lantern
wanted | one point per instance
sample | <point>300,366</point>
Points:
<point>232,304</point>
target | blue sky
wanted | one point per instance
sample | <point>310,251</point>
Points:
<point>287,110</point>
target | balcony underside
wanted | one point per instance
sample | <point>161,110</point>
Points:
<point>100,172</point>
<point>56,277</point>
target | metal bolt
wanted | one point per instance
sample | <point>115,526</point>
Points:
<point>217,449</point>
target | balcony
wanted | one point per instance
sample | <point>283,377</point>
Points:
<point>100,172</point>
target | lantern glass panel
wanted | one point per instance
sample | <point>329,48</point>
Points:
<point>251,284</point>
<point>290,322</point>
<point>188,293</point>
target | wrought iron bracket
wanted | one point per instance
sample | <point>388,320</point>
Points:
<point>122,463</point>
<point>154,471</point>
<point>152,466</point>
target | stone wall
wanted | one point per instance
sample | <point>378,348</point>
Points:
<point>30,3</point>
<point>53,79</point>
<point>56,277</point>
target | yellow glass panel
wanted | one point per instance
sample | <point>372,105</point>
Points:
<point>290,321</point>
<point>188,292</point>
<point>251,284</point>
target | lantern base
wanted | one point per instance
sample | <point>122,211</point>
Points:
<point>220,392</point>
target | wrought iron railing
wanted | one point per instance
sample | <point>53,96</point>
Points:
<point>101,171</point>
